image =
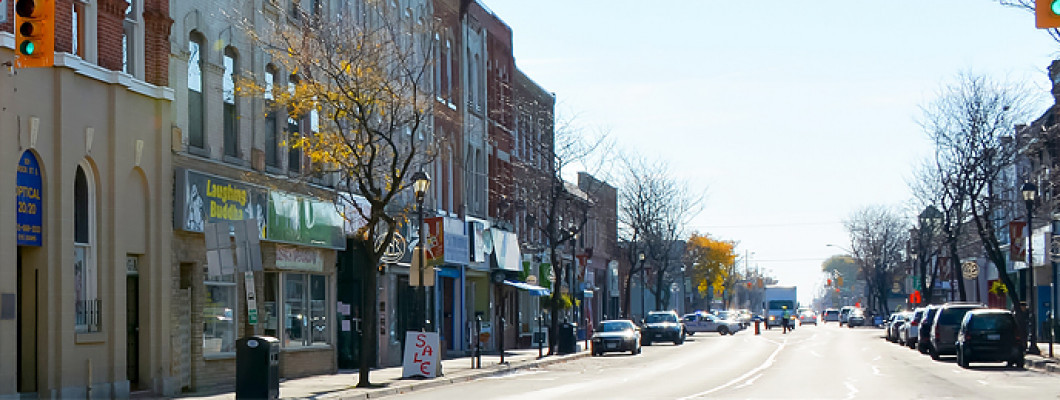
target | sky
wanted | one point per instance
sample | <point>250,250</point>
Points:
<point>786,115</point>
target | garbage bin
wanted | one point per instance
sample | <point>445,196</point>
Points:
<point>258,368</point>
<point>568,338</point>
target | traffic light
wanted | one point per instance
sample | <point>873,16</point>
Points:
<point>1047,13</point>
<point>839,281</point>
<point>34,33</point>
<point>829,282</point>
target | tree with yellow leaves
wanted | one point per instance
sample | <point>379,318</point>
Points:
<point>711,260</point>
<point>361,76</point>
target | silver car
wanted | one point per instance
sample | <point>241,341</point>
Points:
<point>616,335</point>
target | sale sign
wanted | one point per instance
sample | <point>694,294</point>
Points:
<point>421,355</point>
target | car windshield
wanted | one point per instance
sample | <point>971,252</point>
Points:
<point>779,304</point>
<point>652,318</point>
<point>998,322</point>
<point>614,326</point>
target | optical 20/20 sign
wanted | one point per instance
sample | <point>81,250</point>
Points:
<point>28,199</point>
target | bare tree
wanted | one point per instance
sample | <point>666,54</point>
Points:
<point>362,81</point>
<point>654,210</point>
<point>939,192</point>
<point>877,238</point>
<point>970,125</point>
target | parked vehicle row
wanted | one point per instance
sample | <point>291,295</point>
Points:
<point>660,326</point>
<point>969,331</point>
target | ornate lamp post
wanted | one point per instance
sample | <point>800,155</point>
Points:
<point>1030,191</point>
<point>420,182</point>
<point>930,221</point>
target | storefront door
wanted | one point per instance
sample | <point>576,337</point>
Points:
<point>27,324</point>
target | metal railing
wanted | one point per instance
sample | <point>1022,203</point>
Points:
<point>88,315</point>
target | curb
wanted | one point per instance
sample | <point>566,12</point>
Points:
<point>1043,365</point>
<point>464,377</point>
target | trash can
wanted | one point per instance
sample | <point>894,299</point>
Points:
<point>258,368</point>
<point>568,338</point>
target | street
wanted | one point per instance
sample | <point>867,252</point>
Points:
<point>811,362</point>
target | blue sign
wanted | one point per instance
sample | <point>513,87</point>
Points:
<point>28,199</point>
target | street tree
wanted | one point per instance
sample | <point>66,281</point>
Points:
<point>556,208</point>
<point>361,80</point>
<point>711,260</point>
<point>970,125</point>
<point>654,210</point>
<point>939,189</point>
<point>878,236</point>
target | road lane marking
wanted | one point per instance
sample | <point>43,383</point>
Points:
<point>766,364</point>
<point>982,382</point>
<point>749,382</point>
<point>853,390</point>
<point>876,370</point>
<point>816,354</point>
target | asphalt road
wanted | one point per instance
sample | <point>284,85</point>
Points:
<point>822,362</point>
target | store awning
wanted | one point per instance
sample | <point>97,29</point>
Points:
<point>533,289</point>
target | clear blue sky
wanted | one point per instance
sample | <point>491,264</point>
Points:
<point>789,115</point>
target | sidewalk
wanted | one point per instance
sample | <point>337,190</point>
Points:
<point>1043,362</point>
<point>389,382</point>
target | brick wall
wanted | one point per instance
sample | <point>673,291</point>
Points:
<point>157,24</point>
<point>109,29</point>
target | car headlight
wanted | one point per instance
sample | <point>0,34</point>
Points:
<point>628,335</point>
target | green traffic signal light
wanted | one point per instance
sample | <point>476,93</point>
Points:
<point>26,47</point>
<point>1055,7</point>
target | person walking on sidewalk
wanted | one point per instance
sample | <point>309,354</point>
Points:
<point>785,320</point>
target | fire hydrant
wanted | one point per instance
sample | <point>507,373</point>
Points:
<point>757,331</point>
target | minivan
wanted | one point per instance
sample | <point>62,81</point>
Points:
<point>947,324</point>
<point>923,340</point>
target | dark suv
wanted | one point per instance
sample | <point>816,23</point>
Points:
<point>923,338</point>
<point>947,323</point>
<point>662,326</point>
<point>989,335</point>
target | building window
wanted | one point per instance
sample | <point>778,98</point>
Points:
<point>195,101</point>
<point>219,314</point>
<point>87,305</point>
<point>228,100</point>
<point>305,310</point>
<point>272,143</point>
<point>294,132</point>
<point>77,32</point>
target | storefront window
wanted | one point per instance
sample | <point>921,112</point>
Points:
<point>305,310</point>
<point>270,322</point>
<point>219,315</point>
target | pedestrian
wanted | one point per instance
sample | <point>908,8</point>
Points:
<point>785,320</point>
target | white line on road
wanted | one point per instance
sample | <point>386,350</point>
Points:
<point>766,364</point>
<point>816,354</point>
<point>876,370</point>
<point>853,390</point>
<point>876,359</point>
<point>749,382</point>
<point>982,382</point>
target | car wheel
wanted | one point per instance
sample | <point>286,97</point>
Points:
<point>1020,362</point>
<point>647,342</point>
<point>724,330</point>
<point>962,360</point>
<point>690,333</point>
<point>922,348</point>
<point>934,353</point>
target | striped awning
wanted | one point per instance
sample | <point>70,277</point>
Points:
<point>533,289</point>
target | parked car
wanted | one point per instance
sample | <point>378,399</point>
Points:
<point>808,317</point>
<point>844,313</point>
<point>947,323</point>
<point>695,323</point>
<point>895,324</point>
<point>909,332</point>
<point>830,315</point>
<point>923,341</point>
<point>616,335</point>
<point>989,335</point>
<point>662,326</point>
<point>856,317</point>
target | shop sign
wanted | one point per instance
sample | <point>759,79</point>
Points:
<point>304,220</point>
<point>455,242</point>
<point>28,198</point>
<point>202,198</point>
<point>298,258</point>
<point>421,355</point>
<point>434,244</point>
<point>506,250</point>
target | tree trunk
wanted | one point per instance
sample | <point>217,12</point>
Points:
<point>956,272</point>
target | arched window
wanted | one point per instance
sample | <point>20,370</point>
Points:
<point>196,137</point>
<point>87,304</point>
<point>228,100</point>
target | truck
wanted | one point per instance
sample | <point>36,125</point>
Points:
<point>777,300</point>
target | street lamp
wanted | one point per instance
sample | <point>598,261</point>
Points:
<point>1030,191</point>
<point>642,312</point>
<point>930,221</point>
<point>420,182</point>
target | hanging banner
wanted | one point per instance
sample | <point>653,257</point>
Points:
<point>1016,239</point>
<point>28,198</point>
<point>299,219</point>
<point>434,243</point>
